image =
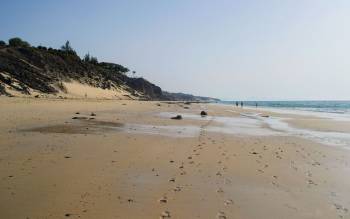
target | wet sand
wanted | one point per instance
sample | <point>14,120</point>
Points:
<point>128,159</point>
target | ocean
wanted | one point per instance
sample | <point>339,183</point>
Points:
<point>338,107</point>
<point>333,110</point>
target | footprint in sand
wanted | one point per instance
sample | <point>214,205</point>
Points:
<point>311,182</point>
<point>165,214</point>
<point>220,190</point>
<point>177,189</point>
<point>228,202</point>
<point>221,215</point>
<point>341,210</point>
<point>163,200</point>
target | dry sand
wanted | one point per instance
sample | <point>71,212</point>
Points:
<point>98,166</point>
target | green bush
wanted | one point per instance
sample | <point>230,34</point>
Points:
<point>42,47</point>
<point>18,42</point>
<point>90,59</point>
<point>2,43</point>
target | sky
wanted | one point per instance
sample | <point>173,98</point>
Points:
<point>245,50</point>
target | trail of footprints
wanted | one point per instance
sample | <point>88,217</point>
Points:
<point>258,154</point>
<point>190,161</point>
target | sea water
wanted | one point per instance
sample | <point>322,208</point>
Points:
<point>337,107</point>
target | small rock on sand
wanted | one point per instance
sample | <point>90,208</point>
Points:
<point>79,117</point>
<point>178,117</point>
<point>203,113</point>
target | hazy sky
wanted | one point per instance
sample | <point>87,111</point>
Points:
<point>257,50</point>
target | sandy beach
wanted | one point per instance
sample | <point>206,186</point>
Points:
<point>76,158</point>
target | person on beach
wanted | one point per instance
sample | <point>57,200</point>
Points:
<point>236,103</point>
<point>242,104</point>
<point>256,104</point>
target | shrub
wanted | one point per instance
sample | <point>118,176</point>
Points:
<point>18,42</point>
<point>42,47</point>
<point>90,59</point>
<point>2,43</point>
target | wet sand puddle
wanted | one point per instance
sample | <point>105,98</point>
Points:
<point>82,126</point>
<point>257,124</point>
<point>253,124</point>
<point>87,126</point>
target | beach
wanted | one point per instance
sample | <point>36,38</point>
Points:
<point>87,158</point>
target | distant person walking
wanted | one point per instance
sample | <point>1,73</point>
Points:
<point>236,103</point>
<point>242,104</point>
<point>256,104</point>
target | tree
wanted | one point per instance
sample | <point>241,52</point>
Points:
<point>2,43</point>
<point>90,59</point>
<point>93,60</point>
<point>87,58</point>
<point>67,47</point>
<point>18,42</point>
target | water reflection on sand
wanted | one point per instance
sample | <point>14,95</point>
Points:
<point>253,124</point>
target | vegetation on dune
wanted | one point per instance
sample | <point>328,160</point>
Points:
<point>43,69</point>
<point>18,42</point>
<point>90,59</point>
<point>25,68</point>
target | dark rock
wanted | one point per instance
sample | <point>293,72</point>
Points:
<point>178,117</point>
<point>203,113</point>
<point>79,117</point>
<point>92,114</point>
